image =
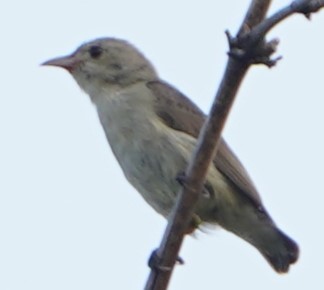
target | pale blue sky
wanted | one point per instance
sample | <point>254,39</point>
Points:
<point>68,218</point>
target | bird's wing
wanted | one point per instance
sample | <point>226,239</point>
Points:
<point>180,113</point>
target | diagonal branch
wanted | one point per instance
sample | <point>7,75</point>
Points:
<point>202,157</point>
<point>237,66</point>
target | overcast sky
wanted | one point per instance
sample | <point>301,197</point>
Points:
<point>68,218</point>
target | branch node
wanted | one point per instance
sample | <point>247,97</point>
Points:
<point>232,41</point>
<point>251,50</point>
<point>269,62</point>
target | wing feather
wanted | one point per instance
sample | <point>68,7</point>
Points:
<point>180,113</point>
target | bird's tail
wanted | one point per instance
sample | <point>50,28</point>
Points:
<point>278,249</point>
<point>257,228</point>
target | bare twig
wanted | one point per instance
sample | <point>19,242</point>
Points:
<point>305,7</point>
<point>243,52</point>
<point>250,45</point>
<point>255,14</point>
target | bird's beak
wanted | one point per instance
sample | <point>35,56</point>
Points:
<point>67,62</point>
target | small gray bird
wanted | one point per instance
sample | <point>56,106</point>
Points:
<point>152,129</point>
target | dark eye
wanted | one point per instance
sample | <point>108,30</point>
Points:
<point>95,51</point>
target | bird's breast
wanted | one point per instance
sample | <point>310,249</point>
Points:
<point>150,154</point>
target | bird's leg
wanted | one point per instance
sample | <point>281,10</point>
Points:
<point>195,220</point>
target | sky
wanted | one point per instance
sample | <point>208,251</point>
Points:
<point>68,217</point>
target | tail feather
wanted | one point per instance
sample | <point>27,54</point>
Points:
<point>280,251</point>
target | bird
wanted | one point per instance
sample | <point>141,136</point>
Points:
<point>152,129</point>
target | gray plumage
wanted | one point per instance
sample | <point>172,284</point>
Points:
<point>152,129</point>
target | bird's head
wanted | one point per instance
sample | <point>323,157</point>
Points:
<point>106,62</point>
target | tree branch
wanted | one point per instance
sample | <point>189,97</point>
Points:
<point>255,14</point>
<point>305,7</point>
<point>243,53</point>
<point>250,45</point>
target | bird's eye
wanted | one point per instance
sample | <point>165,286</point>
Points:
<point>95,51</point>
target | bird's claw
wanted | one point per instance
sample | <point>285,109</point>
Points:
<point>154,262</point>
<point>181,178</point>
